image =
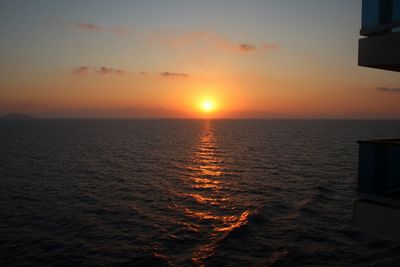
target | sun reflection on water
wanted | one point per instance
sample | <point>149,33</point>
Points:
<point>214,212</point>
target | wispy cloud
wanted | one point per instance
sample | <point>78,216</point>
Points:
<point>388,90</point>
<point>84,70</point>
<point>167,74</point>
<point>213,39</point>
<point>128,112</point>
<point>267,46</point>
<point>89,27</point>
<point>247,48</point>
<point>185,39</point>
<point>103,71</point>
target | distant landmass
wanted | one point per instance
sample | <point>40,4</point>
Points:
<point>17,116</point>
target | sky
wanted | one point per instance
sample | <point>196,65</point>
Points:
<point>165,59</point>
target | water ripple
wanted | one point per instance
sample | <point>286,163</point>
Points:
<point>184,193</point>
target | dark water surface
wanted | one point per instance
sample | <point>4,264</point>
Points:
<point>185,193</point>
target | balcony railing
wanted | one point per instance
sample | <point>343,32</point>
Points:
<point>379,171</point>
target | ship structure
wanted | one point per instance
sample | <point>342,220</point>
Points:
<point>378,208</point>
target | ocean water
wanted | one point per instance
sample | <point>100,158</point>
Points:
<point>185,193</point>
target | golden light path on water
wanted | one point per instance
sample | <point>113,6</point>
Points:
<point>212,194</point>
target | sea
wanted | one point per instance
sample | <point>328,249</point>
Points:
<point>185,193</point>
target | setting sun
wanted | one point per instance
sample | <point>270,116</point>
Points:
<point>200,133</point>
<point>207,106</point>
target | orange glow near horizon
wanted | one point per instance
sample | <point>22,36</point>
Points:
<point>124,65</point>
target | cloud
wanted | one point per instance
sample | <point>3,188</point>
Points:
<point>105,71</point>
<point>247,48</point>
<point>267,46</point>
<point>121,31</point>
<point>388,90</point>
<point>244,47</point>
<point>89,27</point>
<point>168,74</point>
<point>128,112</point>
<point>84,70</point>
<point>210,38</point>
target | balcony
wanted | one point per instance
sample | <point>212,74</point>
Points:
<point>379,171</point>
<point>378,209</point>
<point>381,28</point>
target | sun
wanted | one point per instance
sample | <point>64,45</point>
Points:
<point>207,106</point>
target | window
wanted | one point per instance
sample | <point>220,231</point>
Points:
<point>370,13</point>
<point>396,10</point>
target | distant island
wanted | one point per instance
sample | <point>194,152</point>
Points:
<point>17,116</point>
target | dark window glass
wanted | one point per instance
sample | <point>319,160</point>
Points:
<point>396,10</point>
<point>370,13</point>
<point>385,11</point>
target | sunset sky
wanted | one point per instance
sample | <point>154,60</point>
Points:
<point>249,59</point>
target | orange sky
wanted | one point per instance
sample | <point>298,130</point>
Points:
<point>280,60</point>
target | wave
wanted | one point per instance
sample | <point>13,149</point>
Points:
<point>154,259</point>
